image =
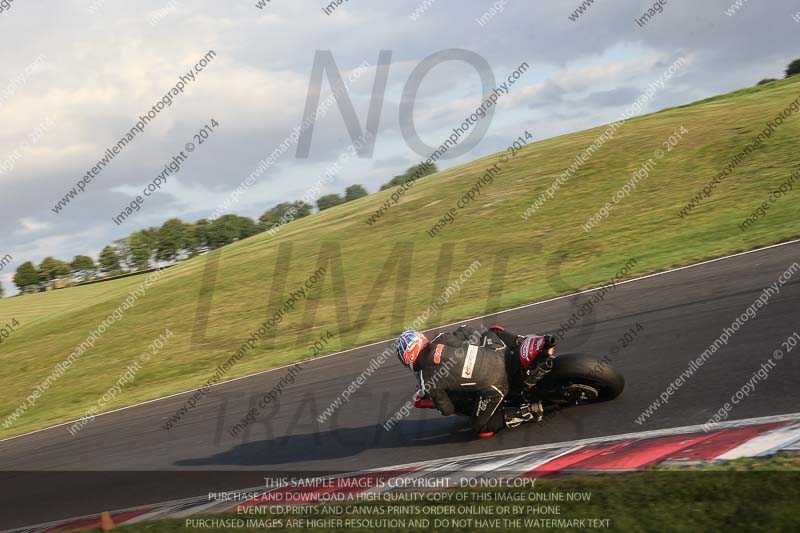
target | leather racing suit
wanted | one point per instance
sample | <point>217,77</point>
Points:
<point>465,372</point>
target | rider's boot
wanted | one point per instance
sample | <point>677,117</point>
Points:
<point>515,416</point>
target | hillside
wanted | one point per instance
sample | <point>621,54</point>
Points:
<point>521,260</point>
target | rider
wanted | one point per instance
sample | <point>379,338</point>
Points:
<point>467,371</point>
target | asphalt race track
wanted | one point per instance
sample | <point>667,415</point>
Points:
<point>121,458</point>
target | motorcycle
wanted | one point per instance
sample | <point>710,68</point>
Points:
<point>559,381</point>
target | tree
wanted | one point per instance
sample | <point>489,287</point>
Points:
<point>793,69</point>
<point>411,173</point>
<point>283,213</point>
<point>149,239</point>
<point>247,227</point>
<point>303,209</point>
<point>354,192</point>
<point>109,262</point>
<point>766,80</point>
<point>271,216</point>
<point>1,289</point>
<point>123,249</point>
<point>52,268</point>
<point>171,240</point>
<point>26,278</point>
<point>194,234</point>
<point>224,230</point>
<point>267,220</point>
<point>82,267</point>
<point>197,237</point>
<point>230,228</point>
<point>328,201</point>
<point>138,252</point>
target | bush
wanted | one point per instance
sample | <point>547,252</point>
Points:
<point>411,173</point>
<point>27,278</point>
<point>793,69</point>
<point>354,192</point>
<point>328,201</point>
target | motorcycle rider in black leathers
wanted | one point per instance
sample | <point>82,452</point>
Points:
<point>468,372</point>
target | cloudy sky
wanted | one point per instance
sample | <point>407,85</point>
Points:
<point>77,74</point>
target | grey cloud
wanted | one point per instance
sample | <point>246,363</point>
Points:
<point>104,68</point>
<point>611,98</point>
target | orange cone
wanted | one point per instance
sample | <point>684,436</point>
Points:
<point>106,522</point>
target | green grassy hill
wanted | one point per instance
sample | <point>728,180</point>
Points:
<point>522,260</point>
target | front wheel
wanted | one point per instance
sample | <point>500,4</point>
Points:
<point>578,378</point>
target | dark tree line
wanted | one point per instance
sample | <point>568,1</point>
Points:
<point>793,69</point>
<point>406,176</point>
<point>174,241</point>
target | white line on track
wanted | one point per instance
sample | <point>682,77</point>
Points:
<point>524,306</point>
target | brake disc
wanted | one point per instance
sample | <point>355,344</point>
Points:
<point>578,392</point>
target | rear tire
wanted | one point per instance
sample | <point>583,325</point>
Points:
<point>579,378</point>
